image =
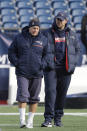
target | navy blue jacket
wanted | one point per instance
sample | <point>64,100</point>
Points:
<point>29,54</point>
<point>72,49</point>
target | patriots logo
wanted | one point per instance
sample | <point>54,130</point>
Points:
<point>39,42</point>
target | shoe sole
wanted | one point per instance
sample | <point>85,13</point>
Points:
<point>58,125</point>
<point>28,127</point>
<point>46,126</point>
<point>22,126</point>
<point>49,126</point>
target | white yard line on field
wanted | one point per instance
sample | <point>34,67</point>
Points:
<point>12,114</point>
<point>76,114</point>
<point>72,114</point>
<point>14,125</point>
<point>3,125</point>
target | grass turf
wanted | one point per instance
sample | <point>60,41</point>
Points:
<point>71,123</point>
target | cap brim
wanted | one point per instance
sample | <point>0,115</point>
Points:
<point>61,18</point>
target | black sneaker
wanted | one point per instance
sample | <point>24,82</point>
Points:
<point>58,124</point>
<point>46,124</point>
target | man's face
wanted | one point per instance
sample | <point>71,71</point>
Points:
<point>61,23</point>
<point>34,30</point>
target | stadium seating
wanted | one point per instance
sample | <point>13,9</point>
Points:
<point>24,4</point>
<point>45,26</point>
<point>21,11</point>
<point>40,1</point>
<point>37,1</point>
<point>6,4</point>
<point>45,12</point>
<point>77,27</point>
<point>25,19</point>
<point>8,19</point>
<point>11,12</point>
<point>10,25</point>
<point>76,5</point>
<point>6,0</point>
<point>58,5</point>
<point>45,20</point>
<point>24,24</point>
<point>55,12</point>
<point>78,12</point>
<point>75,0</point>
<point>77,19</point>
<point>57,0</point>
<point>42,5</point>
<point>29,12</point>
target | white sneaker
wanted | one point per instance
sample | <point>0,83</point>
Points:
<point>29,125</point>
<point>22,124</point>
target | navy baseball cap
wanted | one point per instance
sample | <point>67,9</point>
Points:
<point>61,16</point>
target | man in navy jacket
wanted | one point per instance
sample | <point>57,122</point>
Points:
<point>65,53</point>
<point>28,53</point>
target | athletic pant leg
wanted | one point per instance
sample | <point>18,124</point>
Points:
<point>34,89</point>
<point>50,94</point>
<point>22,90</point>
<point>63,83</point>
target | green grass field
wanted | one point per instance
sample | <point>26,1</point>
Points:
<point>71,123</point>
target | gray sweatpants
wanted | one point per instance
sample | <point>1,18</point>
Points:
<point>28,89</point>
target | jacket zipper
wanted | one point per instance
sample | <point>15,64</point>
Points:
<point>67,43</point>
